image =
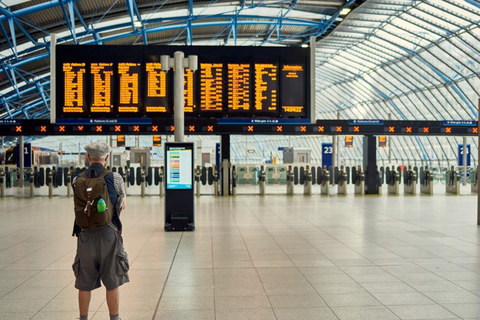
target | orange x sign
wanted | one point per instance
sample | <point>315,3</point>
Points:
<point>279,128</point>
<point>154,128</point>
<point>210,128</point>
<point>250,129</point>
<point>136,128</point>
<point>426,129</point>
<point>474,130</point>
<point>321,129</point>
<point>61,128</point>
<point>356,129</point>
<point>191,128</point>
<point>448,130</point>
<point>43,128</point>
<point>118,128</point>
<point>303,128</point>
<point>99,128</point>
<point>80,128</point>
<point>391,129</point>
<point>339,128</point>
<point>409,130</point>
<point>172,128</point>
<point>18,129</point>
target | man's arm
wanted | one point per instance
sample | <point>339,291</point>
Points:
<point>120,189</point>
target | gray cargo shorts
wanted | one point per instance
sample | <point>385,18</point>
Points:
<point>100,256</point>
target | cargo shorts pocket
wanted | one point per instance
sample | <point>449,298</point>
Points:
<point>122,264</point>
<point>76,267</point>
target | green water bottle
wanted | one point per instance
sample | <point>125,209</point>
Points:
<point>101,206</point>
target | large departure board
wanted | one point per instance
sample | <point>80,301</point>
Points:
<point>211,87</point>
<point>266,89</point>
<point>102,87</point>
<point>156,102</point>
<point>188,92</point>
<point>238,87</point>
<point>74,84</point>
<point>128,82</point>
<point>292,97</point>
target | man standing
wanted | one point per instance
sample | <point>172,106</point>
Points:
<point>99,197</point>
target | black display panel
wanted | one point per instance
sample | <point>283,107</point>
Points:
<point>292,79</point>
<point>108,82</point>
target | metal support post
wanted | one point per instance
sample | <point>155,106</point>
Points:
<point>21,161</point>
<point>261,180</point>
<point>69,183</point>
<point>370,164</point>
<point>32,187</point>
<point>342,181</point>
<point>143,182</point>
<point>198,174</point>
<point>50,184</point>
<point>465,151</point>
<point>234,181</point>
<point>215,180</point>
<point>307,182</point>
<point>290,184</point>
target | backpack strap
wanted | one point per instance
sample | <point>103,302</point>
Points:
<point>104,174</point>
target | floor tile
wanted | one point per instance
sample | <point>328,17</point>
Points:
<point>305,314</point>
<point>363,313</point>
<point>422,312</point>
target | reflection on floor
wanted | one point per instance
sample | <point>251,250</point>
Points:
<point>255,257</point>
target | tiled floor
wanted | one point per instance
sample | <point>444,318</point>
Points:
<point>251,257</point>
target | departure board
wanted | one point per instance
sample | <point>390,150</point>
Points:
<point>266,89</point>
<point>238,87</point>
<point>292,96</point>
<point>129,92</point>
<point>127,82</point>
<point>188,93</point>
<point>74,84</point>
<point>102,87</point>
<point>156,101</point>
<point>211,87</point>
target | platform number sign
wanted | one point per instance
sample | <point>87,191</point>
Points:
<point>460,155</point>
<point>327,151</point>
<point>27,155</point>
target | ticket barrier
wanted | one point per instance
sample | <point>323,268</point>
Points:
<point>143,181</point>
<point>198,175</point>
<point>290,181</point>
<point>474,186</point>
<point>68,182</point>
<point>410,182</point>
<point>307,181</point>
<point>453,181</point>
<point>215,180</point>
<point>325,182</point>
<point>262,180</point>
<point>2,182</point>
<point>393,179</point>
<point>234,181</point>
<point>341,181</point>
<point>358,179</point>
<point>50,175</point>
<point>426,186</point>
<point>29,174</point>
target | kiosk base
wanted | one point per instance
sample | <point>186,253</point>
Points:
<point>179,224</point>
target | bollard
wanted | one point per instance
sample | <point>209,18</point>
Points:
<point>290,178</point>
<point>307,183</point>
<point>198,174</point>
<point>342,181</point>
<point>261,180</point>
<point>160,184</point>
<point>234,181</point>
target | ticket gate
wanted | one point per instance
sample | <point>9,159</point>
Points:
<point>358,179</point>
<point>215,180</point>
<point>198,175</point>
<point>474,181</point>
<point>325,182</point>
<point>234,181</point>
<point>393,179</point>
<point>410,182</point>
<point>2,182</point>
<point>341,181</point>
<point>452,181</point>
<point>307,181</point>
<point>426,186</point>
<point>290,181</point>
<point>262,180</point>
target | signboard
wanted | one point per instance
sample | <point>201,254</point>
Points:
<point>460,155</point>
<point>157,141</point>
<point>327,151</point>
<point>349,141</point>
<point>120,141</point>
<point>109,82</point>
<point>27,155</point>
<point>366,122</point>
<point>179,197</point>
<point>459,123</point>
<point>179,161</point>
<point>382,141</point>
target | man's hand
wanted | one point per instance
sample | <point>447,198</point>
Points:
<point>124,204</point>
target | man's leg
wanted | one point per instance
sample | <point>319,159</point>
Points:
<point>113,302</point>
<point>83,302</point>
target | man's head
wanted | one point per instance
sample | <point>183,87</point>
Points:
<point>97,152</point>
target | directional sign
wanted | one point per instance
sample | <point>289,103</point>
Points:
<point>460,155</point>
<point>327,151</point>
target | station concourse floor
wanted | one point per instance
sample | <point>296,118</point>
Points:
<point>257,258</point>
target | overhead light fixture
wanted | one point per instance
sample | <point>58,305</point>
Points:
<point>304,45</point>
<point>345,11</point>
<point>137,24</point>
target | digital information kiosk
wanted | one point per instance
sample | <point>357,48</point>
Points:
<point>179,197</point>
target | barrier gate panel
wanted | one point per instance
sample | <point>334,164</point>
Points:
<point>314,176</point>
<point>254,172</point>
<point>270,172</point>
<point>282,172</point>
<point>302,175</point>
